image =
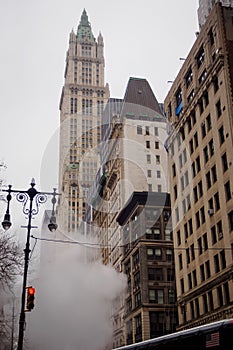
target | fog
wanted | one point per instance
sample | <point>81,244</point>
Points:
<point>73,302</point>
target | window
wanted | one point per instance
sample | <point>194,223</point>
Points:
<point>191,147</point>
<point>216,263</point>
<point>208,180</point>
<point>213,234</point>
<point>148,173</point>
<point>139,129</point>
<point>136,279</point>
<point>156,131</point>
<point>196,140</point>
<point>180,262</point>
<point>218,109</point>
<point>217,201</point>
<point>157,159</point>
<point>215,83</point>
<point>224,162</point>
<point>168,234</point>
<point>211,300</point>
<point>138,325</point>
<point>169,254</point>
<point>137,299</point>
<point>207,269</point>
<point>156,145</point>
<point>205,241</point>
<point>223,259</point>
<point>211,37</point>
<point>182,285</point>
<point>200,57</point>
<point>73,105</point>
<point>220,295</point>
<point>171,296</point>
<point>202,272</point>
<point>174,170</point>
<point>158,174</point>
<point>147,130</point>
<point>147,144</point>
<point>156,296</point>
<point>205,303</point>
<point>202,76</point>
<point>227,187</point>
<point>153,233</point>
<point>230,220</point>
<point>178,237</point>
<point>203,130</point>
<point>198,223</point>
<point>206,154</point>
<point>199,243</point>
<point>226,293</point>
<point>189,77</point>
<point>211,147</point>
<point>155,274</point>
<point>206,98</point>
<point>148,158</point>
<point>208,122</point>
<point>149,187</point>
<point>154,253</point>
<point>221,135</point>
<point>190,281</point>
<point>194,277</point>
<point>200,188</point>
<point>202,211</point>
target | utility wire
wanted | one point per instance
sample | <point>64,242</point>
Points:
<point>98,245</point>
<point>87,244</point>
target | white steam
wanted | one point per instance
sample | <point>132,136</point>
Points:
<point>73,303</point>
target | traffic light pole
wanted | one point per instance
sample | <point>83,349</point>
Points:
<point>23,196</point>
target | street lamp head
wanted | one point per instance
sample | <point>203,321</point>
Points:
<point>6,224</point>
<point>52,226</point>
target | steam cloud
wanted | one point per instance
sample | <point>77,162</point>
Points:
<point>73,303</point>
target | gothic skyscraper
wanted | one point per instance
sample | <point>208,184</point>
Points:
<point>83,97</point>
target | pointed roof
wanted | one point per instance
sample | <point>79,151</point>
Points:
<point>84,32</point>
<point>139,92</point>
<point>140,100</point>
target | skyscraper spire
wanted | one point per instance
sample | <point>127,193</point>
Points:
<point>84,32</point>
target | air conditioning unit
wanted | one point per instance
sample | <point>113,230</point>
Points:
<point>210,211</point>
<point>220,235</point>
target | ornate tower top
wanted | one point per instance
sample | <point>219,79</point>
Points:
<point>84,32</point>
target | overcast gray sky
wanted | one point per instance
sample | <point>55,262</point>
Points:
<point>142,39</point>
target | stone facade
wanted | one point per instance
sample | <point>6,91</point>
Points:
<point>199,108</point>
<point>133,159</point>
<point>83,99</point>
<point>148,261</point>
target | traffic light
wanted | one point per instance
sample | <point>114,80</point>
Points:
<point>30,298</point>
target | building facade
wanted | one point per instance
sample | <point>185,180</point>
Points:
<point>133,159</point>
<point>205,7</point>
<point>199,108</point>
<point>148,262</point>
<point>83,98</point>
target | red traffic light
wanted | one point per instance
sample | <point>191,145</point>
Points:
<point>31,290</point>
<point>30,298</point>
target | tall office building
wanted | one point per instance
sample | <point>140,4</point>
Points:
<point>205,6</point>
<point>134,160</point>
<point>199,107</point>
<point>83,97</point>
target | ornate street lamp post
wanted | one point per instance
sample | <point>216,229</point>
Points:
<point>35,198</point>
